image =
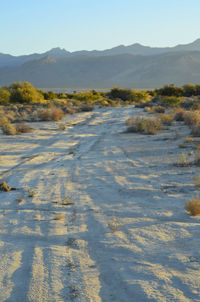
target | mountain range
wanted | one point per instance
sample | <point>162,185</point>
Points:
<point>134,66</point>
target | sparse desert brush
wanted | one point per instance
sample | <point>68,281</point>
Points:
<point>148,109</point>
<point>166,119</point>
<point>86,108</point>
<point>179,115</point>
<point>192,118</point>
<point>23,128</point>
<point>188,140</point>
<point>158,109</point>
<point>58,217</point>
<point>51,114</point>
<point>3,121</point>
<point>61,126</point>
<point>182,145</point>
<point>196,106</point>
<point>8,129</point>
<point>114,224</point>
<point>195,131</point>
<point>143,125</point>
<point>193,206</point>
<point>182,160</point>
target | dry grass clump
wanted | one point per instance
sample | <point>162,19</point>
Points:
<point>182,160</point>
<point>61,126</point>
<point>188,140</point>
<point>193,206</point>
<point>143,125</point>
<point>166,119</point>
<point>7,127</point>
<point>4,187</point>
<point>155,109</point>
<point>51,114</point>
<point>23,128</point>
<point>192,118</point>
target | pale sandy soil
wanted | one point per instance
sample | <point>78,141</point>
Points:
<point>125,236</point>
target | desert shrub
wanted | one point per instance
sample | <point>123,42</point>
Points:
<point>51,114</point>
<point>166,119</point>
<point>170,101</point>
<point>49,95</point>
<point>182,145</point>
<point>182,160</point>
<point>155,109</point>
<point>61,126</point>
<point>193,206</point>
<point>179,115</point>
<point>158,109</point>
<point>24,93</point>
<point>8,128</point>
<point>23,128</point>
<point>132,96</point>
<point>195,106</point>
<point>192,117</point>
<point>4,96</point>
<point>86,108</point>
<point>143,125</point>
<point>88,96</point>
<point>188,140</point>
<point>170,90</point>
<point>3,120</point>
<point>189,90</point>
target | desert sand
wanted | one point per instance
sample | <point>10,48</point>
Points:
<point>98,214</point>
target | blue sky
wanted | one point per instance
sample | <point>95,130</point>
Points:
<point>28,26</point>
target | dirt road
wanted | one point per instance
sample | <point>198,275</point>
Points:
<point>98,215</point>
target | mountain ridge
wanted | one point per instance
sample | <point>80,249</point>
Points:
<point>135,49</point>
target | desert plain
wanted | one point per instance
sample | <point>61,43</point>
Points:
<point>98,214</point>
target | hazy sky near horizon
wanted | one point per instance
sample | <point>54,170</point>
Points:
<point>39,25</point>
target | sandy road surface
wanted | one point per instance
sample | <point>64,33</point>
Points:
<point>102,214</point>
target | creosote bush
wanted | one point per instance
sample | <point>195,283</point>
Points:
<point>143,125</point>
<point>51,114</point>
<point>193,206</point>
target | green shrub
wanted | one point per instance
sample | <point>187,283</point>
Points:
<point>132,96</point>
<point>170,101</point>
<point>4,96</point>
<point>24,93</point>
<point>170,90</point>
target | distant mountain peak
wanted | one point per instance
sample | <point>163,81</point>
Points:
<point>57,52</point>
